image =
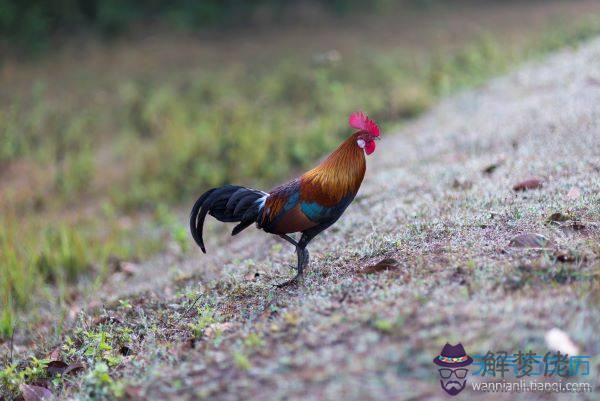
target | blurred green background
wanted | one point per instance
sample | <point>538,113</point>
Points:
<point>115,115</point>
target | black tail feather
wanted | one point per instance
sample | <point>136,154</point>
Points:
<point>234,199</point>
<point>197,234</point>
<point>240,227</point>
<point>229,203</point>
<point>243,204</point>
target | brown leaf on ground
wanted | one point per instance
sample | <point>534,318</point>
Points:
<point>107,320</point>
<point>35,393</point>
<point>383,265</point>
<point>56,368</point>
<point>530,183</point>
<point>529,240</point>
<point>61,368</point>
<point>74,368</point>
<point>558,217</point>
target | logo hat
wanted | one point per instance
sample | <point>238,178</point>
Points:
<point>453,356</point>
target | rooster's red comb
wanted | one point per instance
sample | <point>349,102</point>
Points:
<point>359,120</point>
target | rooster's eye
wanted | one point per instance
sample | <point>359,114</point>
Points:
<point>361,143</point>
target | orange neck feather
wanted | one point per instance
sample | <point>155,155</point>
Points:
<point>339,175</point>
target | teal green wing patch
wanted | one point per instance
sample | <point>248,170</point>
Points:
<point>323,214</point>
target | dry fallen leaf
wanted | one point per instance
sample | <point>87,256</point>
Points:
<point>74,368</point>
<point>35,393</point>
<point>531,183</point>
<point>56,368</point>
<point>383,265</point>
<point>529,240</point>
<point>558,340</point>
<point>558,217</point>
<point>106,320</point>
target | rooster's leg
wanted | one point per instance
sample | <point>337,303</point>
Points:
<point>305,257</point>
<point>289,239</point>
<point>293,242</point>
<point>302,259</point>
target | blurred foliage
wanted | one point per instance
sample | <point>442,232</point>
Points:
<point>33,22</point>
<point>34,254</point>
<point>150,143</point>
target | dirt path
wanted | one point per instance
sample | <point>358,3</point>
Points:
<point>444,224</point>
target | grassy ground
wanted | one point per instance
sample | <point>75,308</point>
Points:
<point>97,150</point>
<point>440,219</point>
<point>85,166</point>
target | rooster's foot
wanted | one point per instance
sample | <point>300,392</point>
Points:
<point>297,279</point>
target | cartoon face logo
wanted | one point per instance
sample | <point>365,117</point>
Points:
<point>453,373</point>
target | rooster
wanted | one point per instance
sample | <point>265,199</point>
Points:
<point>308,204</point>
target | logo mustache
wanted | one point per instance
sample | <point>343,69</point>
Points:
<point>453,387</point>
<point>452,383</point>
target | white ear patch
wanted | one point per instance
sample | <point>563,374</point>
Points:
<point>361,143</point>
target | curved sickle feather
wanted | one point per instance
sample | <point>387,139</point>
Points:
<point>195,225</point>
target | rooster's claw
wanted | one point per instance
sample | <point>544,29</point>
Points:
<point>295,280</point>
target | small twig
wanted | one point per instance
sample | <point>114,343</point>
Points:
<point>189,308</point>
